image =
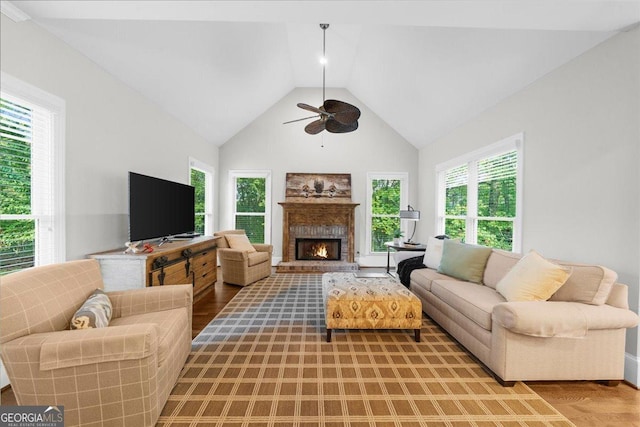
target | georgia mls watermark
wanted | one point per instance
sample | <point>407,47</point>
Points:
<point>31,416</point>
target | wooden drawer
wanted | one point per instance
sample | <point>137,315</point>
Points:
<point>174,274</point>
<point>204,277</point>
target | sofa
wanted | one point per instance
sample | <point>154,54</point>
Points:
<point>241,261</point>
<point>576,333</point>
<point>119,371</point>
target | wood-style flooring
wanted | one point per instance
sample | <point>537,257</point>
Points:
<point>585,403</point>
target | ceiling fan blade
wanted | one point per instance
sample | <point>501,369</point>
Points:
<point>315,127</point>
<point>313,109</point>
<point>298,120</point>
<point>342,112</point>
<point>335,126</point>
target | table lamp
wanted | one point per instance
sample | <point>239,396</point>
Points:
<point>410,215</point>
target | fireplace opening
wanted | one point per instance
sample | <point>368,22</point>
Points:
<point>318,249</point>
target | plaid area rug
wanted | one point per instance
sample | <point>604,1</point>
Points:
<point>263,361</point>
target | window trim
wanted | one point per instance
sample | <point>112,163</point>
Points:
<point>266,174</point>
<point>16,88</point>
<point>513,142</point>
<point>209,192</point>
<point>403,177</point>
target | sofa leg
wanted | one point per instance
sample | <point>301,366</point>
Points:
<point>417,334</point>
<point>609,383</point>
<point>504,383</point>
<point>328,335</point>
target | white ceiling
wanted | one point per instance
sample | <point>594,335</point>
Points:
<point>423,66</point>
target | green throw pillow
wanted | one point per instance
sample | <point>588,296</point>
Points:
<point>462,261</point>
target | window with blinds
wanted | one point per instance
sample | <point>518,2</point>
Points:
<point>479,199</point>
<point>28,224</point>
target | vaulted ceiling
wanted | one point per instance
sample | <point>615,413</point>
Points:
<point>422,66</point>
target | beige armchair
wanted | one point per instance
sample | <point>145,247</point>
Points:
<point>121,374</point>
<point>240,266</point>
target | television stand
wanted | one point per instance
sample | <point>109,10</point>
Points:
<point>194,261</point>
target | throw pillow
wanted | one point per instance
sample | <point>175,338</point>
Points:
<point>589,284</point>
<point>240,242</point>
<point>533,278</point>
<point>94,313</point>
<point>462,261</point>
<point>433,254</point>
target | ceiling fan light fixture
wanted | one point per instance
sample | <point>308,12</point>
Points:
<point>333,116</point>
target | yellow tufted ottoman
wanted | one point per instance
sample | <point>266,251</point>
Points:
<point>369,303</point>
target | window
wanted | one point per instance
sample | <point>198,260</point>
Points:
<point>480,196</point>
<point>201,178</point>
<point>31,177</point>
<point>386,196</point>
<point>252,207</point>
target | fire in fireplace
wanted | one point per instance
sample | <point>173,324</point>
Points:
<point>310,249</point>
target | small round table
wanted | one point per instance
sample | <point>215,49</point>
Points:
<point>402,247</point>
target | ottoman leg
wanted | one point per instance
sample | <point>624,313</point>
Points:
<point>328,335</point>
<point>417,333</point>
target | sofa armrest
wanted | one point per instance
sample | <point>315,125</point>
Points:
<point>233,255</point>
<point>560,319</point>
<point>541,318</point>
<point>64,349</point>
<point>263,247</point>
<point>151,299</point>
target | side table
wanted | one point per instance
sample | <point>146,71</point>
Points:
<point>402,247</point>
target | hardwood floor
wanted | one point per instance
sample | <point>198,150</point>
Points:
<point>585,403</point>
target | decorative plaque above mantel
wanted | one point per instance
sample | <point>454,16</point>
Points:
<point>318,187</point>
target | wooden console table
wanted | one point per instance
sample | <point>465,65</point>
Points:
<point>191,261</point>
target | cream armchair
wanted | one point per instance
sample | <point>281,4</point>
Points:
<point>121,374</point>
<point>241,266</point>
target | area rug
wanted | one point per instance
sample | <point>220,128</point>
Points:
<point>263,361</point>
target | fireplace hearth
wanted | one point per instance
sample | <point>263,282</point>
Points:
<point>322,249</point>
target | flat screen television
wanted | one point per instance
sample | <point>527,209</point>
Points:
<point>159,208</point>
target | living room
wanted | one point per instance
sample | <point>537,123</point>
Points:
<point>579,119</point>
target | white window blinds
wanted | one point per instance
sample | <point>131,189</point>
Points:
<point>26,175</point>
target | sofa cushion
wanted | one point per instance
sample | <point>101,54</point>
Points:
<point>473,301</point>
<point>589,284</point>
<point>240,242</point>
<point>533,278</point>
<point>498,265</point>
<point>462,261</point>
<point>256,258</point>
<point>94,313</point>
<point>170,326</point>
<point>424,277</point>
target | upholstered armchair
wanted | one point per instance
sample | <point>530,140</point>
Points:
<point>120,374</point>
<point>242,263</point>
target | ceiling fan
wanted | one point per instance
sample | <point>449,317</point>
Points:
<point>333,115</point>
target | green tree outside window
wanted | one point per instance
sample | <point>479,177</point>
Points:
<point>251,207</point>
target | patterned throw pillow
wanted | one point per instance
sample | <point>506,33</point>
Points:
<point>94,313</point>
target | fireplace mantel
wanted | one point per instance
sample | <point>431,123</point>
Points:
<point>316,213</point>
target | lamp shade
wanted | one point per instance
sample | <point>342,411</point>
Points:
<point>410,215</point>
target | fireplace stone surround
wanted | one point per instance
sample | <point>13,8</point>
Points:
<point>320,220</point>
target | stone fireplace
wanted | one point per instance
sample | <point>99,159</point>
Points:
<point>318,216</point>
<point>314,221</point>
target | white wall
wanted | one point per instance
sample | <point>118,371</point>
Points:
<point>581,149</point>
<point>110,129</point>
<point>267,144</point>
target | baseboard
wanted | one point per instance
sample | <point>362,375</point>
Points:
<point>632,369</point>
